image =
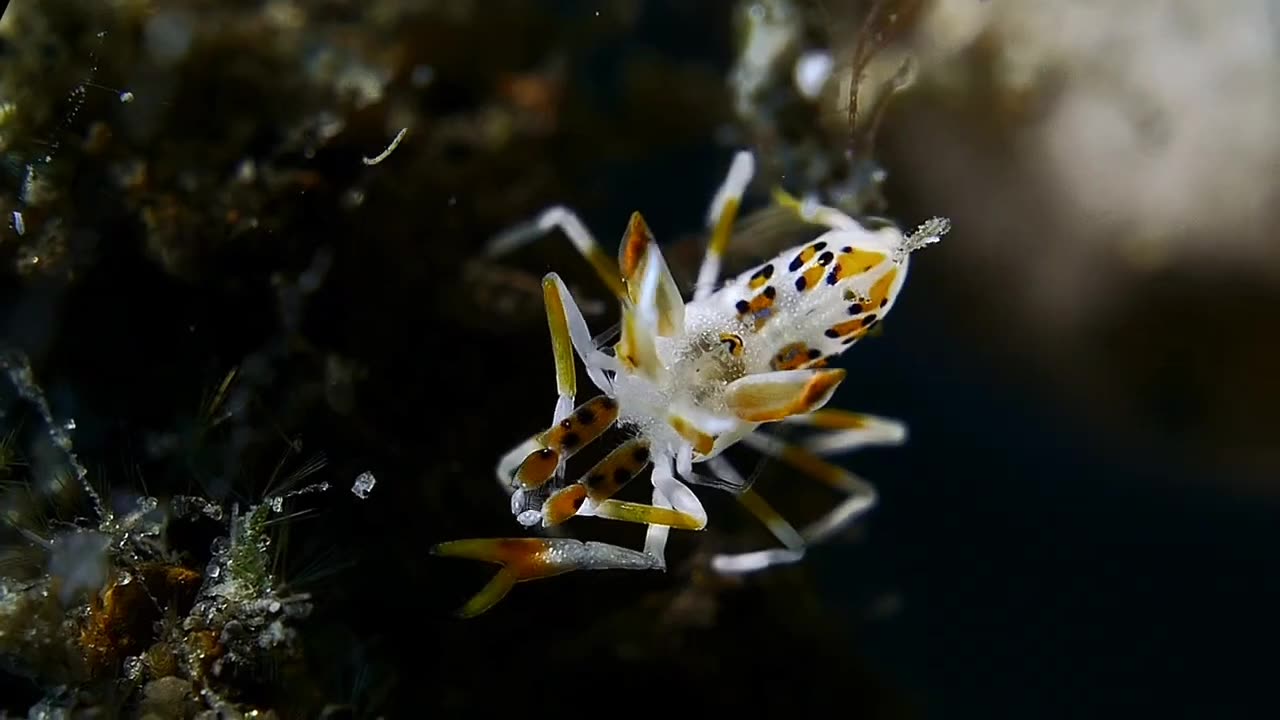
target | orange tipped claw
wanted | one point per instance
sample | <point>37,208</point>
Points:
<point>534,558</point>
<point>773,396</point>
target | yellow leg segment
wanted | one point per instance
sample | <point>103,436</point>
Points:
<point>561,347</point>
<point>720,217</point>
<point>646,515</point>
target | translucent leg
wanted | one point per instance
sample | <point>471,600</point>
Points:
<point>567,221</point>
<point>860,496</point>
<point>793,549</point>
<point>844,430</point>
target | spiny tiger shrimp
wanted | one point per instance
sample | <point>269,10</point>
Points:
<point>686,380</point>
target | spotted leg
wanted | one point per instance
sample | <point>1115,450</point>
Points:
<point>720,218</point>
<point>674,504</point>
<point>528,466</point>
<point>592,495</point>
<point>527,469</point>
<point>533,558</point>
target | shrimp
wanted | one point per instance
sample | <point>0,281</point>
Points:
<point>686,380</point>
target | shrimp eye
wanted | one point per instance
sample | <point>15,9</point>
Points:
<point>733,343</point>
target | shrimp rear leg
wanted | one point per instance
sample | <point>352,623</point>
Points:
<point>844,430</point>
<point>568,222</point>
<point>524,559</point>
<point>860,496</point>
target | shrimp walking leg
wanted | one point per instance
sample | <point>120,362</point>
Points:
<point>566,221</point>
<point>720,217</point>
<point>860,496</point>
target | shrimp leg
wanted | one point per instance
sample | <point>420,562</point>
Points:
<point>525,559</point>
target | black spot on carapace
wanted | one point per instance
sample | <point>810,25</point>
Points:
<point>884,301</point>
<point>764,273</point>
<point>820,246</point>
<point>586,416</point>
<point>595,480</point>
<point>814,353</point>
<point>869,320</point>
<point>831,333</point>
<point>833,277</point>
<point>641,454</point>
<point>608,403</point>
<point>801,283</point>
<point>796,263</point>
<point>847,250</point>
<point>621,476</point>
<point>743,306</point>
<point>855,309</point>
<point>770,292</point>
<point>850,340</point>
<point>825,258</point>
<point>570,440</point>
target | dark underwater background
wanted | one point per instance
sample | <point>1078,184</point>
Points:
<point>1082,523</point>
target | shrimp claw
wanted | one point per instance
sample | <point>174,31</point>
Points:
<point>534,558</point>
